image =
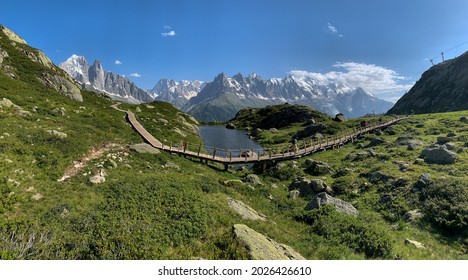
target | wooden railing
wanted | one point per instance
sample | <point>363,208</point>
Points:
<point>237,156</point>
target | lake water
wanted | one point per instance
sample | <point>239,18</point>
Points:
<point>223,138</point>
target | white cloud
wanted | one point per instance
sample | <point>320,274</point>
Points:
<point>377,80</point>
<point>136,75</point>
<point>329,28</point>
<point>170,33</point>
<point>118,62</point>
<point>167,27</point>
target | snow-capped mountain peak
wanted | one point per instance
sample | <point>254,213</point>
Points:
<point>93,77</point>
<point>176,92</point>
<point>238,92</point>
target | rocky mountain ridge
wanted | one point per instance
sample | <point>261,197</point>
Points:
<point>41,69</point>
<point>178,93</point>
<point>221,99</point>
<point>442,88</point>
<point>94,77</point>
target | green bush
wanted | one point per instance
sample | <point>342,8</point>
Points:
<point>7,196</point>
<point>341,229</point>
<point>446,204</point>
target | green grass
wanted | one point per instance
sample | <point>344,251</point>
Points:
<point>147,211</point>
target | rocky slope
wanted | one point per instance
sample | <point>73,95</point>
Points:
<point>442,88</point>
<point>37,68</point>
<point>221,99</point>
<point>94,77</point>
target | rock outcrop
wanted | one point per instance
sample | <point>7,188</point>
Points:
<point>309,187</point>
<point>12,35</point>
<point>50,75</point>
<point>438,154</point>
<point>144,148</point>
<point>324,199</point>
<point>416,244</point>
<point>245,211</point>
<point>252,179</point>
<point>261,247</point>
<point>442,88</point>
<point>412,215</point>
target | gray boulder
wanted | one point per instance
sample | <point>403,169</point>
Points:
<point>413,144</point>
<point>261,247</point>
<point>58,134</point>
<point>294,194</point>
<point>378,176</point>
<point>340,118</point>
<point>412,215</point>
<point>376,142</point>
<point>309,188</point>
<point>143,148</point>
<point>315,167</point>
<point>416,244</point>
<point>98,178</point>
<point>244,210</point>
<point>171,165</point>
<point>342,172</point>
<point>252,179</point>
<point>443,139</point>
<point>438,154</point>
<point>423,182</point>
<point>449,146</point>
<point>318,136</point>
<point>322,199</point>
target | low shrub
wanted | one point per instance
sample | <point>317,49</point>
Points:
<point>341,229</point>
<point>446,204</point>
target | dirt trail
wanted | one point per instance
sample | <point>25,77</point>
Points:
<point>78,165</point>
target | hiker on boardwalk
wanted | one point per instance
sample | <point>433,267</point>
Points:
<point>363,124</point>
<point>294,144</point>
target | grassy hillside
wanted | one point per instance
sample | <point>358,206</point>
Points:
<point>162,206</point>
<point>147,209</point>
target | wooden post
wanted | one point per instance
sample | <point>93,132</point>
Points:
<point>199,150</point>
<point>230,156</point>
<point>170,148</point>
<point>240,152</point>
<point>226,167</point>
<point>258,155</point>
<point>269,153</point>
<point>214,152</point>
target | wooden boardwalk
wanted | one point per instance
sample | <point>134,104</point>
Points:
<point>305,147</point>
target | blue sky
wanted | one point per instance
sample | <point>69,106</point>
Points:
<point>384,45</point>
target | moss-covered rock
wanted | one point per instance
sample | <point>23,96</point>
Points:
<point>263,248</point>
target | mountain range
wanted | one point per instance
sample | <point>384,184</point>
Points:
<point>442,88</point>
<point>93,77</point>
<point>178,93</point>
<point>222,98</point>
